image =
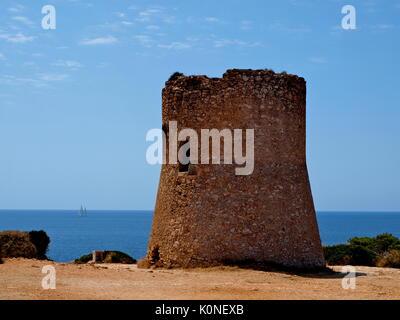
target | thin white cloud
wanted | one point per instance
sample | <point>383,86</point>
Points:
<point>146,15</point>
<point>153,27</point>
<point>371,6</point>
<point>16,38</point>
<point>144,40</point>
<point>30,64</point>
<point>38,81</point>
<point>169,19</point>
<point>282,28</point>
<point>212,19</point>
<point>120,15</point>
<point>82,4</point>
<point>191,19</point>
<point>155,14</point>
<point>246,25</point>
<point>175,46</point>
<point>13,80</point>
<point>383,26</point>
<point>126,23</point>
<point>23,20</point>
<point>108,27</point>
<point>2,57</point>
<point>50,77</point>
<point>102,65</point>
<point>143,19</point>
<point>235,42</point>
<point>68,64</point>
<point>99,41</point>
<point>318,60</point>
<point>17,8</point>
<point>193,39</point>
<point>150,12</point>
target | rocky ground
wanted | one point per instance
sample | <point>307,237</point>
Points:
<point>22,279</point>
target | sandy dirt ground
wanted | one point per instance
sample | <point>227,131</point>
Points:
<point>22,279</point>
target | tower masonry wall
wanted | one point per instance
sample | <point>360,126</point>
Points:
<point>209,215</point>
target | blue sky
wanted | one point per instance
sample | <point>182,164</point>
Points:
<point>76,102</point>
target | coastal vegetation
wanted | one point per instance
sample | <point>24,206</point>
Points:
<point>41,241</point>
<point>32,245</point>
<point>380,251</point>
<point>175,76</point>
<point>109,257</point>
<point>84,259</point>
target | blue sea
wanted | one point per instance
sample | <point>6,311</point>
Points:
<point>73,236</point>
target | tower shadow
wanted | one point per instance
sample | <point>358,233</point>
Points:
<point>318,273</point>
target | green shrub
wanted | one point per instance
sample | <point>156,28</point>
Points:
<point>15,244</point>
<point>109,257</point>
<point>337,255</point>
<point>175,76</point>
<point>390,259</point>
<point>118,257</point>
<point>349,254</point>
<point>84,259</point>
<point>41,241</point>
<point>382,251</point>
<point>379,244</point>
<point>362,256</point>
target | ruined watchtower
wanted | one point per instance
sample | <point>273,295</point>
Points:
<point>206,214</point>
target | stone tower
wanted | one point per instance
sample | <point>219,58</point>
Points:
<point>207,215</point>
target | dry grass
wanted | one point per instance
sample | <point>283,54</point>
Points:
<point>16,244</point>
<point>391,259</point>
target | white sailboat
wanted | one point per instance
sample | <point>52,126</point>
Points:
<point>82,211</point>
